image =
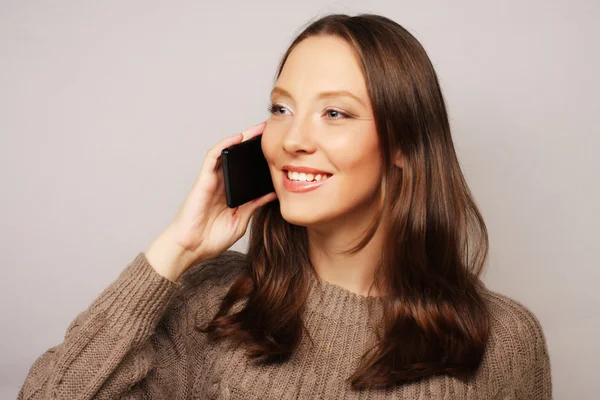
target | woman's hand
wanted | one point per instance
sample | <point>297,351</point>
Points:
<point>204,227</point>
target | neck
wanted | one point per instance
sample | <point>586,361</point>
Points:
<point>353,272</point>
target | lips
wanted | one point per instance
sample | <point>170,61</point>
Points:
<point>301,186</point>
<point>306,170</point>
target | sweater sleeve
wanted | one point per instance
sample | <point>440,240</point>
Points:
<point>110,348</point>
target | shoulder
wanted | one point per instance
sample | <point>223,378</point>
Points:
<point>511,318</point>
<point>514,326</point>
<point>221,270</point>
<point>517,346</point>
<point>512,323</point>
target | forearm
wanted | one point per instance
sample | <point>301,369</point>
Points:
<point>101,339</point>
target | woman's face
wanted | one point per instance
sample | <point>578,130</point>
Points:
<point>322,129</point>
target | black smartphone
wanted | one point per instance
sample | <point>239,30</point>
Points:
<point>246,172</point>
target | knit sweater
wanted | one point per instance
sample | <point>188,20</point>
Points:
<point>137,341</point>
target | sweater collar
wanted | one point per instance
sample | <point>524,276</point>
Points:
<point>335,302</point>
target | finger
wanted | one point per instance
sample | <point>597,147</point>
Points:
<point>246,210</point>
<point>214,153</point>
<point>254,131</point>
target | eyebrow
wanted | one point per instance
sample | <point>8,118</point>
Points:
<point>322,95</point>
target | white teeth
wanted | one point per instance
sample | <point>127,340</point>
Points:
<point>303,177</point>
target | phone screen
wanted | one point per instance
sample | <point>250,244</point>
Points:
<point>246,172</point>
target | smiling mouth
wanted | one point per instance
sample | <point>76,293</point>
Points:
<point>302,177</point>
<point>301,184</point>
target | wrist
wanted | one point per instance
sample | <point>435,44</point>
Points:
<point>167,257</point>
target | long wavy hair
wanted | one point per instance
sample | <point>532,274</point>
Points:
<point>436,243</point>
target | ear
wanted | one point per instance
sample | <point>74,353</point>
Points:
<point>399,159</point>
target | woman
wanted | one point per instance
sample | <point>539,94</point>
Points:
<point>362,275</point>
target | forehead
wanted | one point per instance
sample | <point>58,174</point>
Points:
<point>321,63</point>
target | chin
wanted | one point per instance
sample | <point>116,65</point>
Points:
<point>304,215</point>
<point>299,216</point>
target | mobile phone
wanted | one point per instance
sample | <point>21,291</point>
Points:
<point>246,172</point>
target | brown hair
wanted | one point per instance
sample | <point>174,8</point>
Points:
<point>435,320</point>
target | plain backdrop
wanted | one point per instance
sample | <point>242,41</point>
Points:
<point>107,109</point>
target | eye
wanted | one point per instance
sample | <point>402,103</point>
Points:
<point>276,109</point>
<point>336,114</point>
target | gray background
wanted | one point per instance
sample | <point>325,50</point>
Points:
<point>107,109</point>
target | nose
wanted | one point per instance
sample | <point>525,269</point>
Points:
<point>299,139</point>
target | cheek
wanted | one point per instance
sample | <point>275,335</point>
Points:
<point>359,166</point>
<point>355,155</point>
<point>361,174</point>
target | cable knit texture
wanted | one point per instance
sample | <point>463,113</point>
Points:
<point>137,341</point>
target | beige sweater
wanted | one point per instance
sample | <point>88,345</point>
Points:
<point>137,341</point>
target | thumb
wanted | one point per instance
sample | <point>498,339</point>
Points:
<point>246,210</point>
